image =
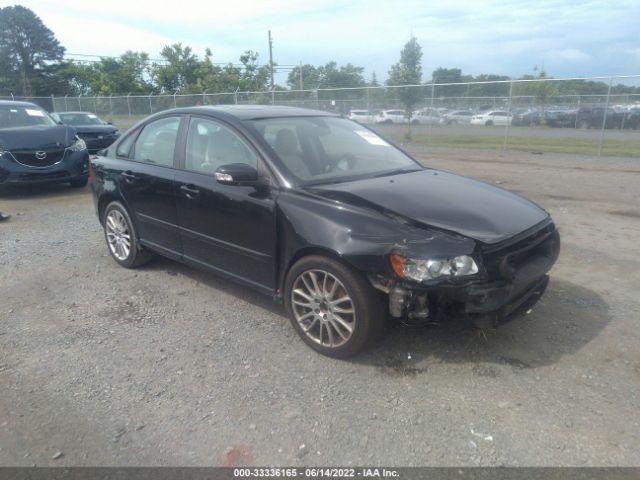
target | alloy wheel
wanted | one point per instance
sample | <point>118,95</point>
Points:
<point>118,235</point>
<point>323,308</point>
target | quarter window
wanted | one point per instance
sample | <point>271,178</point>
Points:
<point>211,144</point>
<point>157,142</point>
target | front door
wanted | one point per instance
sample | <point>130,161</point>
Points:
<point>227,228</point>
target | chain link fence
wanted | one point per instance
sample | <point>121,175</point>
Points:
<point>596,115</point>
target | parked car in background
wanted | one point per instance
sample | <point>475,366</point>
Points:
<point>492,117</point>
<point>457,117</point>
<point>96,133</point>
<point>361,116</point>
<point>391,116</point>
<point>560,118</point>
<point>426,116</point>
<point>35,149</point>
<point>631,118</point>
<point>526,118</point>
<point>593,117</point>
<point>324,215</point>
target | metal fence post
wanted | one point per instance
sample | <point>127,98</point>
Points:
<point>95,105</point>
<point>204,97</point>
<point>433,91</point>
<point>53,104</point>
<point>235,95</point>
<point>129,104</point>
<point>604,118</point>
<point>150,106</point>
<point>66,106</point>
<point>80,102</point>
<point>506,127</point>
<point>111,105</point>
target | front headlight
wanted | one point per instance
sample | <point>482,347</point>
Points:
<point>421,270</point>
<point>78,146</point>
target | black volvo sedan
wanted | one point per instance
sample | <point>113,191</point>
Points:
<point>324,215</point>
<point>96,133</point>
<point>35,149</point>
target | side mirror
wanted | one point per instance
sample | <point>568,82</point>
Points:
<point>237,174</point>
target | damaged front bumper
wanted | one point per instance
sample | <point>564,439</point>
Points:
<point>513,278</point>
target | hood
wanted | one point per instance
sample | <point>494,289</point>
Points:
<point>100,129</point>
<point>40,137</point>
<point>442,200</point>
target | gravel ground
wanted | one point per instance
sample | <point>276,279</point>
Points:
<point>170,366</point>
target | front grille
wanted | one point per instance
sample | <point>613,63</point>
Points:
<point>33,158</point>
<point>502,262</point>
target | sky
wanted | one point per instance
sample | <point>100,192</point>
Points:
<point>567,38</point>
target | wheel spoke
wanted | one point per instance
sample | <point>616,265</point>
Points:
<point>338,329</point>
<point>343,310</point>
<point>311,325</point>
<point>341,321</point>
<point>302,304</point>
<point>303,295</point>
<point>314,280</point>
<point>329,333</point>
<point>340,300</point>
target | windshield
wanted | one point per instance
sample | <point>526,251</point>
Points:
<point>328,149</point>
<point>81,119</point>
<point>23,116</point>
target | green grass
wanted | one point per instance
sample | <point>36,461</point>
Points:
<point>613,148</point>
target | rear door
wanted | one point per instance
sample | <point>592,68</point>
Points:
<point>230,229</point>
<point>147,184</point>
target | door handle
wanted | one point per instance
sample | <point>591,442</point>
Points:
<point>128,176</point>
<point>190,191</point>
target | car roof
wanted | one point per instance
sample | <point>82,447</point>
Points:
<point>255,112</point>
<point>15,103</point>
<point>75,113</point>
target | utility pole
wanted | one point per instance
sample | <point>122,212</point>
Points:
<point>271,68</point>
<point>301,84</point>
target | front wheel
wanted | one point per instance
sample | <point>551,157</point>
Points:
<point>489,123</point>
<point>121,237</point>
<point>332,307</point>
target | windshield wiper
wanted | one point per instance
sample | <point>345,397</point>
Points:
<point>396,171</point>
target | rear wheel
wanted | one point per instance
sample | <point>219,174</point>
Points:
<point>121,237</point>
<point>489,123</point>
<point>332,307</point>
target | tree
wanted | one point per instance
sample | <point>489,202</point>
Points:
<point>179,71</point>
<point>27,48</point>
<point>408,71</point>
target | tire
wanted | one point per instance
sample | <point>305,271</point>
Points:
<point>80,183</point>
<point>117,224</point>
<point>388,122</point>
<point>326,334</point>
<point>489,123</point>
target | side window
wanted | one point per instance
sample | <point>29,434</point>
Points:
<point>124,148</point>
<point>211,144</point>
<point>157,142</point>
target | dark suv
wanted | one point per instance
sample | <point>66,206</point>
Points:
<point>323,214</point>
<point>35,149</point>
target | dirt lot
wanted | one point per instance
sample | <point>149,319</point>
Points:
<point>170,366</point>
